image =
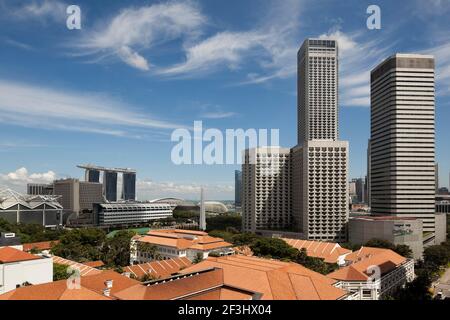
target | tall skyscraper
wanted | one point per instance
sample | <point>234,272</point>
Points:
<point>317,91</point>
<point>237,188</point>
<point>129,186</point>
<point>402,157</point>
<point>110,185</point>
<point>304,189</point>
<point>320,160</point>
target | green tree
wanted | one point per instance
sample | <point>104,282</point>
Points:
<point>436,255</point>
<point>60,272</point>
<point>150,249</point>
<point>274,248</point>
<point>244,239</point>
<point>225,235</point>
<point>116,250</point>
<point>380,243</point>
<point>224,221</point>
<point>198,258</point>
<point>404,250</point>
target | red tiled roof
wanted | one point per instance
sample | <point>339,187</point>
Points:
<point>57,290</point>
<point>159,269</point>
<point>328,251</point>
<point>362,262</point>
<point>9,254</point>
<point>205,285</point>
<point>44,245</point>
<point>275,280</point>
<point>82,268</point>
<point>184,239</point>
<point>94,264</point>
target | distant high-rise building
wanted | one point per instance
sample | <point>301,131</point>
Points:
<point>320,161</point>
<point>110,185</point>
<point>129,186</point>
<point>237,188</point>
<point>402,147</point>
<point>92,175</point>
<point>40,189</point>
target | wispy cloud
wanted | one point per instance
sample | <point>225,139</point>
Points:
<point>442,57</point>
<point>48,108</point>
<point>135,30</point>
<point>358,55</point>
<point>43,10</point>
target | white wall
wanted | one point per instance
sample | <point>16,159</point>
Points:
<point>34,272</point>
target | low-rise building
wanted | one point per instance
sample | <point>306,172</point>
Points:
<point>9,239</point>
<point>159,269</point>
<point>397,230</point>
<point>19,268</point>
<point>330,252</point>
<point>30,209</point>
<point>176,243</point>
<point>130,213</point>
<point>372,273</point>
<point>273,279</point>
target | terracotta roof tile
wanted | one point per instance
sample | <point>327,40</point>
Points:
<point>159,269</point>
<point>328,251</point>
<point>9,254</point>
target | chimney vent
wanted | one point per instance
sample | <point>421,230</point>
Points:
<point>106,292</point>
<point>109,284</point>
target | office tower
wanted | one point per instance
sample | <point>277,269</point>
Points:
<point>202,220</point>
<point>402,157</point>
<point>369,193</point>
<point>237,188</point>
<point>129,186</point>
<point>110,185</point>
<point>266,189</point>
<point>39,189</point>
<point>320,161</point>
<point>92,175</point>
<point>352,191</point>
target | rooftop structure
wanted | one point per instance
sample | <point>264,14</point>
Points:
<point>176,243</point>
<point>37,209</point>
<point>158,269</point>
<point>329,251</point>
<point>273,279</point>
<point>100,168</point>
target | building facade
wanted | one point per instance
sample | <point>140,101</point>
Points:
<point>266,185</point>
<point>402,157</point>
<point>39,189</point>
<point>129,186</point>
<point>18,268</point>
<point>399,231</point>
<point>129,213</point>
<point>29,209</point>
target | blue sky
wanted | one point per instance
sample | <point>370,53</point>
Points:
<point>112,93</point>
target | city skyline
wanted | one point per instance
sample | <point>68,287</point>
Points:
<point>98,104</point>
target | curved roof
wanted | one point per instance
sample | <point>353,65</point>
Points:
<point>215,206</point>
<point>10,198</point>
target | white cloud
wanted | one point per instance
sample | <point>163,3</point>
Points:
<point>140,29</point>
<point>217,115</point>
<point>225,48</point>
<point>442,57</point>
<point>18,179</point>
<point>43,10</point>
<point>357,57</point>
<point>37,106</point>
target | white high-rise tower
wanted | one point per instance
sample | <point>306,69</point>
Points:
<point>320,160</point>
